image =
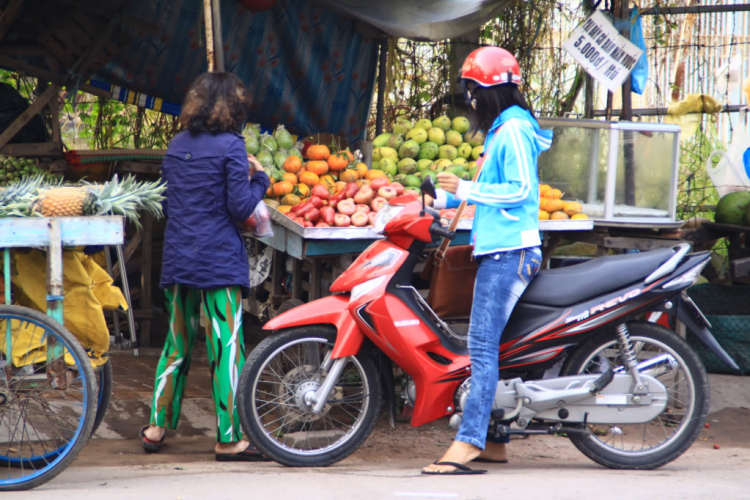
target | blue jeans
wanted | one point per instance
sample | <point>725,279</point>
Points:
<point>501,279</point>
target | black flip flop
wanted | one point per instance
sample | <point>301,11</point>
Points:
<point>250,454</point>
<point>148,445</point>
<point>490,461</point>
<point>460,470</point>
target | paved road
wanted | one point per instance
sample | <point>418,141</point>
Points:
<point>703,473</point>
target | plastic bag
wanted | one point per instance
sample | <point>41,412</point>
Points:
<point>639,76</point>
<point>258,225</point>
<point>733,172</point>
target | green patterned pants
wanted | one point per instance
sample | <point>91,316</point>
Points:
<point>226,355</point>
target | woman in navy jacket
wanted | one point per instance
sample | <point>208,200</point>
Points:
<point>209,192</point>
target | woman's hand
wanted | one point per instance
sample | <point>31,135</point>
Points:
<point>255,165</point>
<point>448,182</point>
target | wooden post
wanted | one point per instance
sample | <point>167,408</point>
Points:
<point>146,251</point>
<point>380,110</point>
<point>218,36</point>
<point>627,115</point>
<point>28,114</point>
<point>207,19</point>
<point>55,352</point>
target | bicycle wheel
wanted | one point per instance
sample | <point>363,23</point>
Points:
<point>104,393</point>
<point>46,406</point>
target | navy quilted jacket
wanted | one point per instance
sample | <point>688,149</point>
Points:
<point>208,193</point>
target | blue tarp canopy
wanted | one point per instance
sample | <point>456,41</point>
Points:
<point>310,66</point>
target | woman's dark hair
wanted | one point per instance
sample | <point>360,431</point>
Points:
<point>215,102</point>
<point>491,101</point>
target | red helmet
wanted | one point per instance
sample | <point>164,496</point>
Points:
<point>490,66</point>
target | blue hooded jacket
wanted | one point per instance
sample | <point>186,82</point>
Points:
<point>208,193</point>
<point>507,190</point>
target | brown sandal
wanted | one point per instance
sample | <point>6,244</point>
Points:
<point>149,445</point>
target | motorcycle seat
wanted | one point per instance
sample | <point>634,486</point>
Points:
<point>573,284</point>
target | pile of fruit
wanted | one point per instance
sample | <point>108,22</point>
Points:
<point>415,150</point>
<point>331,190</point>
<point>36,196</point>
<point>14,168</point>
<point>553,207</point>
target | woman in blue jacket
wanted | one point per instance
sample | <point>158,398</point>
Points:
<point>505,236</point>
<point>209,192</point>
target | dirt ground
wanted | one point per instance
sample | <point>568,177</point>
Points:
<point>117,441</point>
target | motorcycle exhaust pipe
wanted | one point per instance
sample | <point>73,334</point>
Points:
<point>654,367</point>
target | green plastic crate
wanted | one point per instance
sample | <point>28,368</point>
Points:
<point>728,310</point>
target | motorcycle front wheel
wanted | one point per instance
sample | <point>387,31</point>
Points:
<point>277,379</point>
<point>666,437</point>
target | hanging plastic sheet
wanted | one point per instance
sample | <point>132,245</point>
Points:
<point>421,19</point>
<point>639,76</point>
<point>305,66</point>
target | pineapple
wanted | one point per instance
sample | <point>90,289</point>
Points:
<point>34,197</point>
<point>65,202</point>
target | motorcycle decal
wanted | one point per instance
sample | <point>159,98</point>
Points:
<point>406,322</point>
<point>547,328</point>
<point>616,301</point>
<point>536,357</point>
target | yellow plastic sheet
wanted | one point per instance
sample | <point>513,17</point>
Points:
<point>687,112</point>
<point>28,345</point>
<point>87,291</point>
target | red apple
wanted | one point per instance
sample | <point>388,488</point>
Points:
<point>378,203</point>
<point>321,224</point>
<point>342,220</point>
<point>360,219</point>
<point>364,195</point>
<point>371,216</point>
<point>361,207</point>
<point>300,221</point>
<point>398,187</point>
<point>307,223</point>
<point>387,192</point>
<point>379,182</point>
<point>346,207</point>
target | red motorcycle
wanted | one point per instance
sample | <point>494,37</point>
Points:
<point>628,393</point>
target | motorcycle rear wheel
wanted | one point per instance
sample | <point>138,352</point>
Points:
<point>669,435</point>
<point>271,399</point>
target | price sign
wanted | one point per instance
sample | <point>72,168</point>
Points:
<point>602,51</point>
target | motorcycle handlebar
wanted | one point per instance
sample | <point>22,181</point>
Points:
<point>438,230</point>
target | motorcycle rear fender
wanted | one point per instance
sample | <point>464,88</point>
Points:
<point>688,313</point>
<point>331,310</point>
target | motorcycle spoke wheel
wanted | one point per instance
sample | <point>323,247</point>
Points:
<point>274,402</point>
<point>664,438</point>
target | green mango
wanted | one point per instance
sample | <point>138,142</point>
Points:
<point>381,140</point>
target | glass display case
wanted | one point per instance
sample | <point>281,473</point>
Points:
<point>619,171</point>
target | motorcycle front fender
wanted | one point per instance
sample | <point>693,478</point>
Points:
<point>331,310</point>
<point>693,319</point>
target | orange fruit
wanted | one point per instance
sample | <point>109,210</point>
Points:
<point>543,215</point>
<point>292,164</point>
<point>290,178</point>
<point>309,178</point>
<point>579,217</point>
<point>550,205</point>
<point>374,174</point>
<point>284,208</point>
<point>303,190</point>
<point>544,190</point>
<point>572,207</point>
<point>328,181</point>
<point>559,216</point>
<point>555,194</point>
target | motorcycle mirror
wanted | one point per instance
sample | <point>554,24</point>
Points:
<point>428,187</point>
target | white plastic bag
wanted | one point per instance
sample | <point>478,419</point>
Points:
<point>730,173</point>
<point>258,225</point>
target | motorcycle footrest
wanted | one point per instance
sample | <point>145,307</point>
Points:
<point>603,381</point>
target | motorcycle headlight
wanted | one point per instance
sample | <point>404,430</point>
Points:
<point>365,287</point>
<point>385,215</point>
